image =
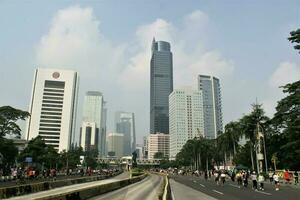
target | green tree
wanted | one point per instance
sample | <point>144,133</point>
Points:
<point>295,38</point>
<point>40,152</point>
<point>242,156</point>
<point>248,126</point>
<point>9,153</point>
<point>233,134</point>
<point>70,159</point>
<point>8,118</point>
<point>287,122</point>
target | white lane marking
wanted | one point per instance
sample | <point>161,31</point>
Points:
<point>195,181</point>
<point>234,186</point>
<point>202,185</point>
<point>264,192</point>
<point>218,192</point>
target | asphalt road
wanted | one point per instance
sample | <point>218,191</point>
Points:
<point>147,189</point>
<point>190,188</point>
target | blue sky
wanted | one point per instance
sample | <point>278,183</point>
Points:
<point>242,42</point>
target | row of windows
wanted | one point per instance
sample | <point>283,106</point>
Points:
<point>50,117</point>
<point>53,94</point>
<point>53,90</point>
<point>48,101</point>
<point>49,137</point>
<point>51,113</point>
<point>51,121</point>
<point>49,133</point>
<point>50,125</point>
<point>52,105</point>
<point>49,129</point>
<point>54,84</point>
<point>54,98</point>
<point>52,109</point>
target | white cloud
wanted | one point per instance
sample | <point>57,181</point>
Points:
<point>287,72</point>
<point>74,41</point>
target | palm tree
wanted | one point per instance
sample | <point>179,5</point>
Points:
<point>248,126</point>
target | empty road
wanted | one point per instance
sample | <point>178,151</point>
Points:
<point>146,189</point>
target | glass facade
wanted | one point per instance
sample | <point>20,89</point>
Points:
<point>125,124</point>
<point>161,85</point>
<point>212,105</point>
<point>93,113</point>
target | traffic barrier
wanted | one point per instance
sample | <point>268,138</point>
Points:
<point>167,189</point>
<point>18,190</point>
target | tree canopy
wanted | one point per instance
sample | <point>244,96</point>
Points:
<point>295,38</point>
<point>8,118</point>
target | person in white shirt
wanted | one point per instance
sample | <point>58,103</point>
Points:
<point>261,180</point>
<point>254,180</point>
<point>276,181</point>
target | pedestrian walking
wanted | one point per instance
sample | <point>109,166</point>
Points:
<point>223,176</point>
<point>254,180</point>
<point>217,176</point>
<point>205,175</point>
<point>239,179</point>
<point>271,176</point>
<point>286,176</point>
<point>296,176</point>
<point>261,180</point>
<point>245,179</point>
<point>276,181</point>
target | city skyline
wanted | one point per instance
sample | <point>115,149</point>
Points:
<point>216,50</point>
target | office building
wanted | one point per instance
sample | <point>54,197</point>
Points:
<point>145,147</point>
<point>158,142</point>
<point>115,142</point>
<point>161,85</point>
<point>92,131</point>
<point>139,151</point>
<point>125,123</point>
<point>53,107</point>
<point>186,118</point>
<point>212,105</point>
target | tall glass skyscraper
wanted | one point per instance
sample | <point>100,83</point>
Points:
<point>125,124</point>
<point>212,105</point>
<point>92,133</point>
<point>161,85</point>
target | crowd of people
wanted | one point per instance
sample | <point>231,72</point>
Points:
<point>22,175</point>
<point>243,177</point>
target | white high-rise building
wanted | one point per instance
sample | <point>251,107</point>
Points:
<point>115,142</point>
<point>125,123</point>
<point>159,142</point>
<point>93,129</point>
<point>212,105</point>
<point>186,118</point>
<point>53,107</point>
